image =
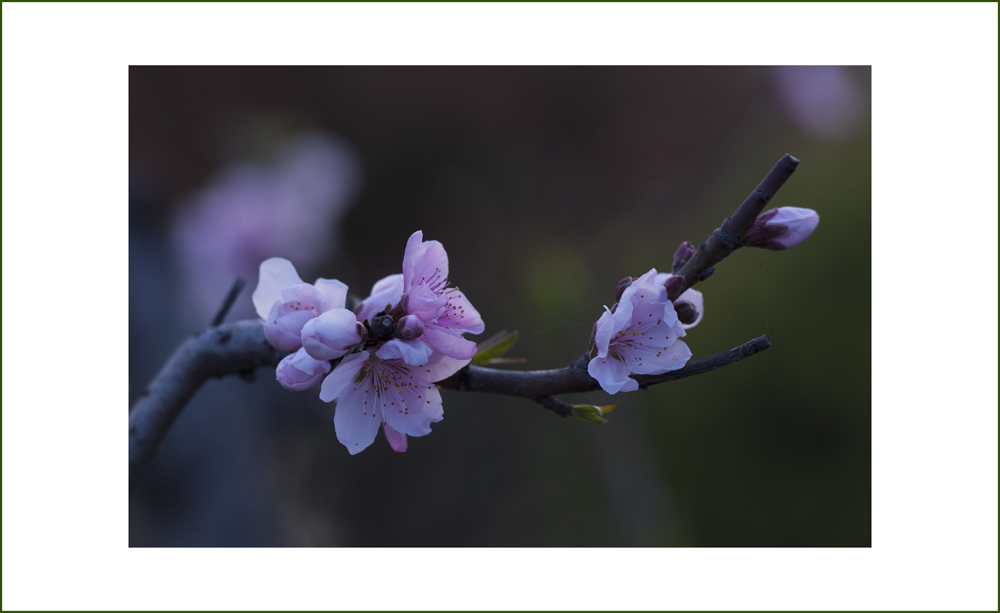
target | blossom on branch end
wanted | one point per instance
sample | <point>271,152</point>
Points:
<point>641,337</point>
<point>782,228</point>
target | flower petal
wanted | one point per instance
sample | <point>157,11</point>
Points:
<point>425,304</point>
<point>357,417</point>
<point>334,293</point>
<point>412,244</point>
<point>342,376</point>
<point>275,275</point>
<point>461,315</point>
<point>424,263</point>
<point>440,366</point>
<point>612,374</point>
<point>298,371</point>
<point>656,350</point>
<point>386,291</point>
<point>623,312</point>
<point>604,329</point>
<point>397,440</point>
<point>449,344</point>
<point>800,223</point>
<point>671,357</point>
<point>414,352</point>
<point>284,329</point>
<point>648,290</point>
<point>411,405</point>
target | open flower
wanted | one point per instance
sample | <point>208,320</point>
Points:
<point>445,312</point>
<point>285,302</point>
<point>640,337</point>
<point>371,391</point>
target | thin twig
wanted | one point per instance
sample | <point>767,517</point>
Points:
<point>729,236</point>
<point>227,303</point>
<point>239,348</point>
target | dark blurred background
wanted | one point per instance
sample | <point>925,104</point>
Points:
<point>546,186</point>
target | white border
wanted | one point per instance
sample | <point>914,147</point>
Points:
<point>65,161</point>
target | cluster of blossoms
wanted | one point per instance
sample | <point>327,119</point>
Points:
<point>379,362</point>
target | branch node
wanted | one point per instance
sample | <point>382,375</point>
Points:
<point>732,240</point>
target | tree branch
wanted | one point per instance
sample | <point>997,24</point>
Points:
<point>241,347</point>
<point>236,348</point>
<point>540,384</point>
<point>729,236</point>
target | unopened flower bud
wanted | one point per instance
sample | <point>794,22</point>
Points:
<point>675,287</point>
<point>682,255</point>
<point>687,313</point>
<point>622,286</point>
<point>298,371</point>
<point>399,309</point>
<point>409,327</point>
<point>382,326</point>
<point>332,334</point>
<point>782,228</point>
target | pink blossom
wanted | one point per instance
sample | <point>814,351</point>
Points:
<point>445,311</point>
<point>371,391</point>
<point>640,337</point>
<point>286,303</point>
<point>397,440</point>
<point>298,371</point>
<point>782,228</point>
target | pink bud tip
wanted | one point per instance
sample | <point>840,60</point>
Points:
<point>682,255</point>
<point>782,228</point>
<point>410,327</point>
